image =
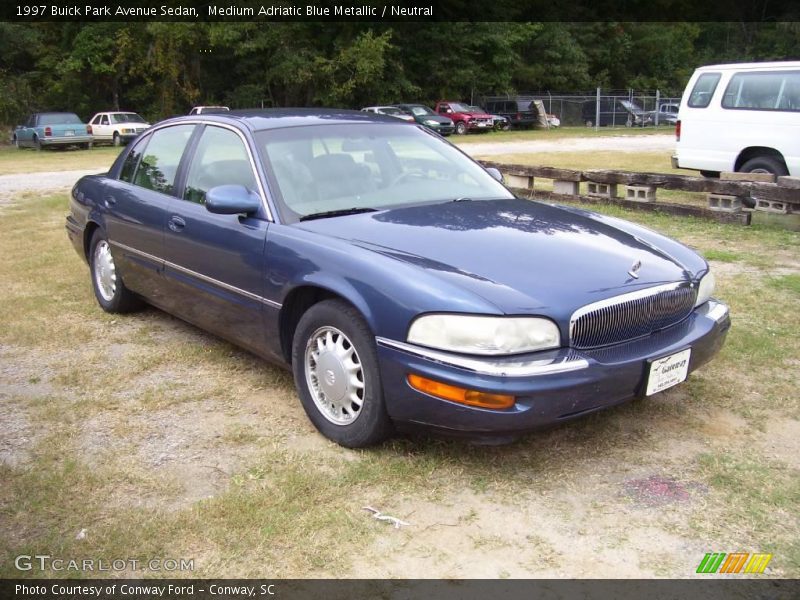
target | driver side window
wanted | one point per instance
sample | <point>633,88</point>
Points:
<point>220,159</point>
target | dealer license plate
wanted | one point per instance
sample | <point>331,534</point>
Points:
<point>69,132</point>
<point>668,371</point>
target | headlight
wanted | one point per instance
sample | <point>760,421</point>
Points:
<point>705,289</point>
<point>431,122</point>
<point>484,335</point>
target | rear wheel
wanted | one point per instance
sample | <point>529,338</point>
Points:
<point>764,164</point>
<point>109,289</point>
<point>335,367</point>
<point>37,143</point>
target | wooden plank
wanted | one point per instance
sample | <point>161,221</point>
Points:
<point>529,171</point>
<point>789,182</point>
<point>760,177</point>
<point>685,210</point>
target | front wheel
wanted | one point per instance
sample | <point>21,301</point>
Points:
<point>461,128</point>
<point>109,289</point>
<point>335,367</point>
<point>116,141</point>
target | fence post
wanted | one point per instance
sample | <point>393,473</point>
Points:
<point>597,112</point>
<point>658,103</point>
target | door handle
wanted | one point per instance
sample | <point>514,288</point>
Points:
<point>176,223</point>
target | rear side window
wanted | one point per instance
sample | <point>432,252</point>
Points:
<point>703,90</point>
<point>764,91</point>
<point>132,160</point>
<point>160,159</point>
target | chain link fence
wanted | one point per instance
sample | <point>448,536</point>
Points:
<point>604,108</point>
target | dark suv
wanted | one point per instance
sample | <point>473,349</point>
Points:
<point>520,113</point>
<point>614,112</point>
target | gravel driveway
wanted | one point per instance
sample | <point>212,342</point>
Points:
<point>59,180</point>
<point>41,182</point>
<point>616,143</point>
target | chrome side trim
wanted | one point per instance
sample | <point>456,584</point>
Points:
<point>237,131</point>
<point>202,277</point>
<point>614,300</point>
<point>503,368</point>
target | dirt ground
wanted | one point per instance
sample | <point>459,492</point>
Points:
<point>616,495</point>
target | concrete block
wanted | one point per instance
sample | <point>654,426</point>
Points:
<point>724,203</point>
<point>640,193</point>
<point>602,190</point>
<point>759,177</point>
<point>771,206</point>
<point>569,188</point>
<point>519,181</point>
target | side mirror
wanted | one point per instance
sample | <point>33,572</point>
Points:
<point>231,200</point>
<point>495,173</point>
<point>449,111</point>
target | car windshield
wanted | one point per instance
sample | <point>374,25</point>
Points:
<point>421,110</point>
<point>460,107</point>
<point>475,109</point>
<point>60,119</point>
<point>323,168</point>
<point>390,110</point>
<point>127,118</point>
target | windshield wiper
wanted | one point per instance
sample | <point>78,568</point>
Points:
<point>337,213</point>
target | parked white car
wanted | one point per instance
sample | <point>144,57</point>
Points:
<point>116,127</point>
<point>205,110</point>
<point>741,117</point>
<point>392,111</point>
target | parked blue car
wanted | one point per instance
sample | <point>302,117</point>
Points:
<point>52,129</point>
<point>402,283</point>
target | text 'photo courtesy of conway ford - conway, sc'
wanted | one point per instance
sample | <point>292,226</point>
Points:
<point>401,282</point>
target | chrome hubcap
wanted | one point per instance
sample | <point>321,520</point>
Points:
<point>105,273</point>
<point>334,375</point>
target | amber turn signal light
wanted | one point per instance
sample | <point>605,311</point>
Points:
<point>460,395</point>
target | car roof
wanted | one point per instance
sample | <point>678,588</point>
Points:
<point>278,118</point>
<point>755,66</point>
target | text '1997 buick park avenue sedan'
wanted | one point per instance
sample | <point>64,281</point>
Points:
<point>399,279</point>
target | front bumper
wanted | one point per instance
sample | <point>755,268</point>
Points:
<point>549,387</point>
<point>442,129</point>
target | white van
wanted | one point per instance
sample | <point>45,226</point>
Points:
<point>741,117</point>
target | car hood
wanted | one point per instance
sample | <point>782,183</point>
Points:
<point>477,115</point>
<point>437,118</point>
<point>520,255</point>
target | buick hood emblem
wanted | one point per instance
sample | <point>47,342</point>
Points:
<point>634,272</point>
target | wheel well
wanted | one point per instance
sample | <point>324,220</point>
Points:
<point>91,227</point>
<point>295,305</point>
<point>755,151</point>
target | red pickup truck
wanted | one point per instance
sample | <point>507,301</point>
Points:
<point>464,117</point>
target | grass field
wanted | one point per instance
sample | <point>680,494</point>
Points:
<point>557,133</point>
<point>162,441</point>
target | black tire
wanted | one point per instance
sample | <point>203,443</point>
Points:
<point>116,140</point>
<point>461,128</point>
<point>87,146</point>
<point>17,144</point>
<point>120,299</point>
<point>357,426</point>
<point>764,164</point>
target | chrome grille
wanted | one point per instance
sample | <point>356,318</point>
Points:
<point>630,316</point>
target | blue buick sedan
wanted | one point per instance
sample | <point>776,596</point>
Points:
<point>398,279</point>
